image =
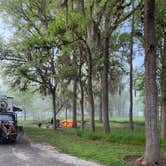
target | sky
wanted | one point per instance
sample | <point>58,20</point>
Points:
<point>5,31</point>
<point>5,34</point>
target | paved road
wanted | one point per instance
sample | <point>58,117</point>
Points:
<point>24,153</point>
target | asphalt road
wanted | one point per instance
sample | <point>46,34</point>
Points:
<point>24,153</point>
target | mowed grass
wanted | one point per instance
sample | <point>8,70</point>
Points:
<point>105,149</point>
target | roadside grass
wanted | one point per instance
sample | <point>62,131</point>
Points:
<point>105,149</point>
<point>32,123</point>
<point>98,151</point>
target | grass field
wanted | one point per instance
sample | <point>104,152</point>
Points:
<point>107,150</point>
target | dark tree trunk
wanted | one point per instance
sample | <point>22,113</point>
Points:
<point>152,153</point>
<point>100,108</point>
<point>82,106</point>
<point>54,109</point>
<point>131,125</point>
<point>82,97</point>
<point>163,91</point>
<point>105,110</point>
<point>75,104</point>
<point>66,116</point>
<point>90,94</point>
<point>90,45</point>
<point>77,6</point>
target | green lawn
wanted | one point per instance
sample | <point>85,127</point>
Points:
<point>107,150</point>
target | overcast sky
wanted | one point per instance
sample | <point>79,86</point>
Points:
<point>5,31</point>
<point>5,35</point>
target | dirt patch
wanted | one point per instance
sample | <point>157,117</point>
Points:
<point>47,151</point>
<point>135,161</point>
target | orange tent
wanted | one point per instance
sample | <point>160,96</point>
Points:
<point>66,123</point>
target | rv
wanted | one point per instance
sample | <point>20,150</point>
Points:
<point>8,120</point>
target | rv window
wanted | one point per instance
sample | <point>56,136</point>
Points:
<point>6,118</point>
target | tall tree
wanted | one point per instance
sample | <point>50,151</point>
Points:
<point>112,14</point>
<point>131,125</point>
<point>100,106</point>
<point>81,82</point>
<point>152,152</point>
<point>105,111</point>
<point>161,38</point>
<point>31,20</point>
<point>74,117</point>
<point>163,90</point>
<point>77,7</point>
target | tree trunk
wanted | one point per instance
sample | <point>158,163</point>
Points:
<point>77,6</point>
<point>54,109</point>
<point>89,49</point>
<point>75,104</point>
<point>100,108</point>
<point>163,91</point>
<point>131,125</point>
<point>82,98</point>
<point>66,116</point>
<point>152,153</point>
<point>82,107</point>
<point>105,86</point>
<point>90,94</point>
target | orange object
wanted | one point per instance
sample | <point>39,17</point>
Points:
<point>66,123</point>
